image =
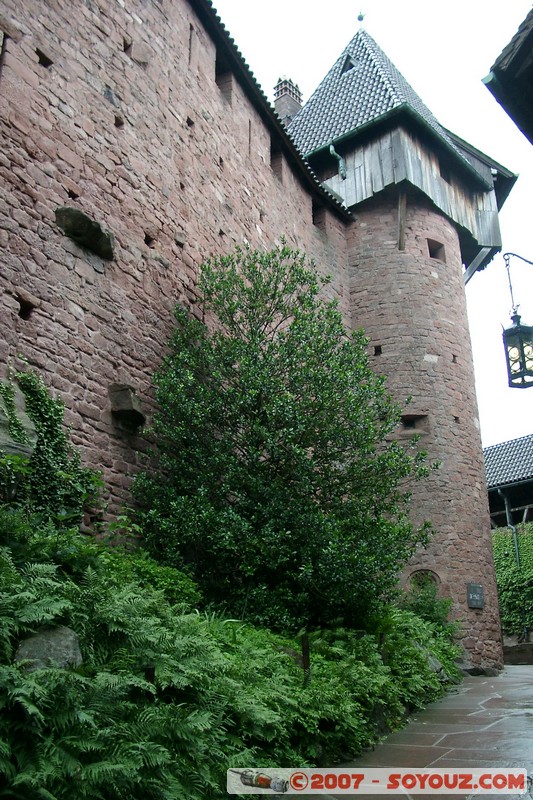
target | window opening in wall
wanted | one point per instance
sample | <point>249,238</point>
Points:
<point>454,359</point>
<point>415,422</point>
<point>444,171</point>
<point>127,45</point>
<point>44,61</point>
<point>190,122</point>
<point>224,77</point>
<point>423,579</point>
<point>149,240</point>
<point>319,215</point>
<point>3,48</point>
<point>378,350</point>
<point>119,121</point>
<point>72,194</point>
<point>191,35</point>
<point>329,171</point>
<point>276,160</point>
<point>456,420</point>
<point>25,307</point>
<point>436,250</point>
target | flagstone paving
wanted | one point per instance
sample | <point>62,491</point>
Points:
<point>485,722</point>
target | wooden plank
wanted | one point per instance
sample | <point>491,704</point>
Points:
<point>398,156</point>
<point>475,263</point>
<point>375,167</point>
<point>402,213</point>
<point>387,164</point>
<point>349,188</point>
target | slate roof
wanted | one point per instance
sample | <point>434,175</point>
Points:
<point>509,462</point>
<point>361,87</point>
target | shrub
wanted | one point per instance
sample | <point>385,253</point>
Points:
<point>276,487</point>
<point>166,700</point>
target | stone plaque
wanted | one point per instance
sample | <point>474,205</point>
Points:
<point>475,595</point>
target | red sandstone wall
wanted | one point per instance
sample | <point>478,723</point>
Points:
<point>192,171</point>
<point>187,168</point>
<point>413,307</point>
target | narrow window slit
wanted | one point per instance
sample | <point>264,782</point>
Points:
<point>436,250</point>
<point>27,303</point>
<point>44,61</point>
<point>191,35</point>
<point>319,216</point>
<point>276,160</point>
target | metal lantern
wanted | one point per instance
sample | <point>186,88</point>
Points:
<point>518,340</point>
<point>518,343</point>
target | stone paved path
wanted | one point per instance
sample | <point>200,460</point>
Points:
<point>485,722</point>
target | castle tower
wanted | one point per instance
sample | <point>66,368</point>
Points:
<point>425,204</point>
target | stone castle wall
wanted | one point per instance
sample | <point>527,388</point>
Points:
<point>120,110</point>
<point>129,124</point>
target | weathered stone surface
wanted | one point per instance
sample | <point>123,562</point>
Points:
<point>59,647</point>
<point>521,653</point>
<point>188,165</point>
<point>85,231</point>
<point>7,443</point>
<point>125,405</point>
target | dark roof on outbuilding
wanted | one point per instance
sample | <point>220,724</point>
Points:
<point>362,87</point>
<point>511,78</point>
<point>509,462</point>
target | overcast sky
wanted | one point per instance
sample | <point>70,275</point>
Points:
<point>444,49</point>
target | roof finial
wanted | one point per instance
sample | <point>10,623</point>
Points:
<point>360,18</point>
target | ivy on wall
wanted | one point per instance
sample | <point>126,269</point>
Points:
<point>515,583</point>
<point>56,485</point>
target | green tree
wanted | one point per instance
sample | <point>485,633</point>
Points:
<point>275,484</point>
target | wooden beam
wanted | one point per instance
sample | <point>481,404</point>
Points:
<point>402,211</point>
<point>483,253</point>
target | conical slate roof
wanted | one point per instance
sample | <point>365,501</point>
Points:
<point>362,86</point>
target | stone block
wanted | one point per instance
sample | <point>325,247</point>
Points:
<point>9,444</point>
<point>85,231</point>
<point>57,647</point>
<point>126,406</point>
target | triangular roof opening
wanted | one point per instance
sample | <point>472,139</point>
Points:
<point>349,64</point>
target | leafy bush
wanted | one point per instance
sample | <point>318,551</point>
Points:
<point>275,482</point>
<point>167,699</point>
<point>423,599</point>
<point>515,583</point>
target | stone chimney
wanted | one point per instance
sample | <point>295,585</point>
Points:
<point>287,100</point>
